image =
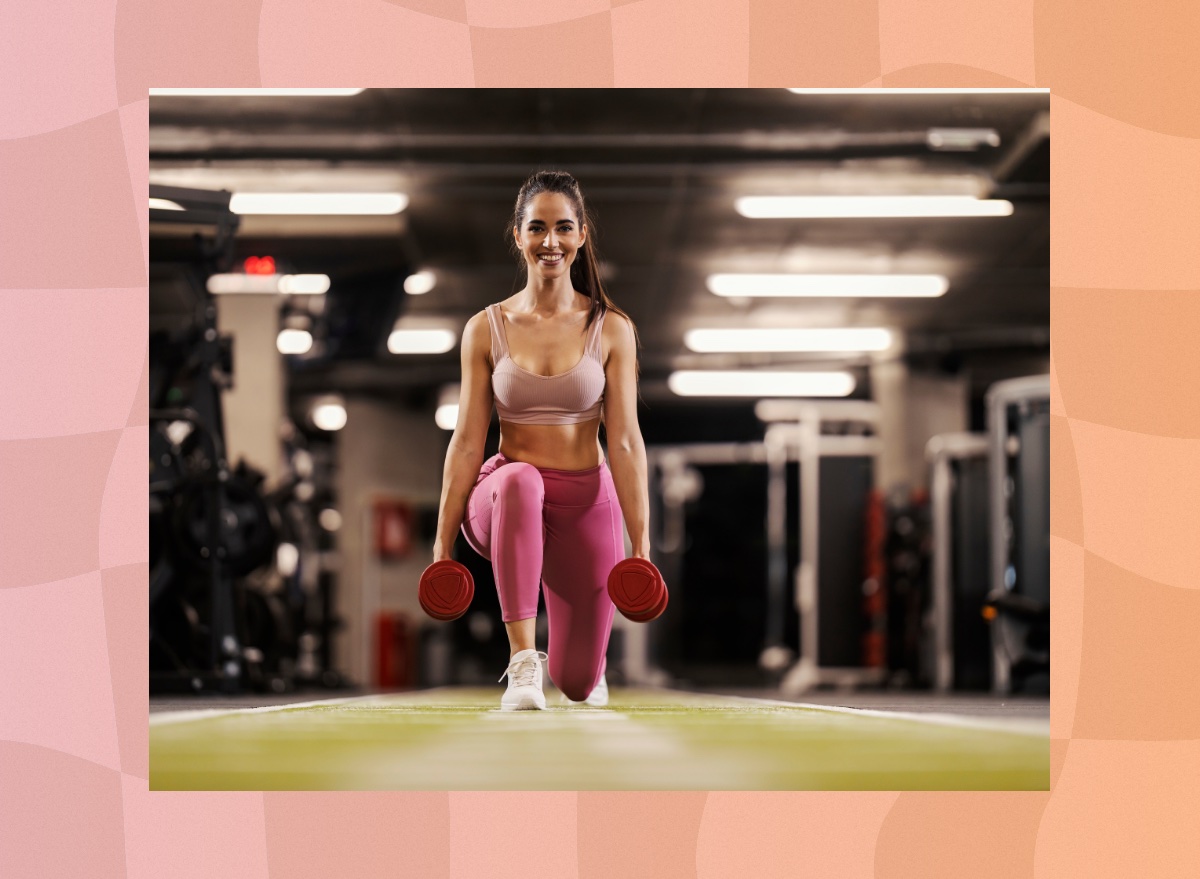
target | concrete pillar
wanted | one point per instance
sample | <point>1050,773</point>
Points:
<point>916,406</point>
<point>382,451</point>
<point>936,404</point>
<point>889,386</point>
<point>254,408</point>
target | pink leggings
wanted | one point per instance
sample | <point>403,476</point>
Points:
<point>560,529</point>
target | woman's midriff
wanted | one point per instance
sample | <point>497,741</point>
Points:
<point>553,446</point>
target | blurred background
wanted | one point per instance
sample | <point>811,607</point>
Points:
<point>843,303</point>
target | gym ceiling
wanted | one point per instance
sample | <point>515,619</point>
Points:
<point>661,169</point>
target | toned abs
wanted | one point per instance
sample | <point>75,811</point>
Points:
<point>550,446</point>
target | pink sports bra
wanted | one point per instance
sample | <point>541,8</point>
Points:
<point>524,397</point>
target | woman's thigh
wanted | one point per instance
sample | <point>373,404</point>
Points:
<point>495,476</point>
<point>583,543</point>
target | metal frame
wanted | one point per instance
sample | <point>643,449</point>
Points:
<point>941,451</point>
<point>999,397</point>
<point>794,435</point>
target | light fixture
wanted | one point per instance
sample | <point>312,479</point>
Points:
<point>294,341</point>
<point>304,285</point>
<point>330,519</point>
<point>698,383</point>
<point>961,139</point>
<point>165,204</point>
<point>318,203</point>
<point>419,283</point>
<point>235,282</point>
<point>328,413</point>
<point>446,416</point>
<point>921,91</point>
<point>828,285</point>
<point>254,93</point>
<point>287,558</point>
<point>784,339</point>
<point>178,431</point>
<point>869,206</point>
<point>421,341</point>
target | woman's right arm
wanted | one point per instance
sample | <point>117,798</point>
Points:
<point>465,455</point>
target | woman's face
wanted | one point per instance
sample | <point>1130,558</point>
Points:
<point>550,236</point>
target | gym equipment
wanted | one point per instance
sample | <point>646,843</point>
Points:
<point>637,589</point>
<point>959,511</point>
<point>190,364</point>
<point>830,441</point>
<point>247,538</point>
<point>225,609</point>
<point>1019,483</point>
<point>906,550</point>
<point>445,590</point>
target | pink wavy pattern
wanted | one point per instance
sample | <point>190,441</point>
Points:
<point>1125,751</point>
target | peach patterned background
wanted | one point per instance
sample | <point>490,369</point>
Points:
<point>1125,523</point>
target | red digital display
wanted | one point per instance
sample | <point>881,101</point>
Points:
<point>259,265</point>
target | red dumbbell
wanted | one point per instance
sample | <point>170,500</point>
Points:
<point>446,590</point>
<point>637,589</point>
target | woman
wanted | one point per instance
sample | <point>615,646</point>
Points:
<point>546,511</point>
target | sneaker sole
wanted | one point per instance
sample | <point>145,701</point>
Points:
<point>526,704</point>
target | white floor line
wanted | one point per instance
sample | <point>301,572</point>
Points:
<point>1018,726</point>
<point>1021,726</point>
<point>165,717</point>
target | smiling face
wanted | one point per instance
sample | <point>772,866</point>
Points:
<point>550,236</point>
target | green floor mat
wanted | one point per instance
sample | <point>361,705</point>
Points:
<point>458,739</point>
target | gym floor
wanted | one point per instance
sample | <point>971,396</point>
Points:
<point>455,738</point>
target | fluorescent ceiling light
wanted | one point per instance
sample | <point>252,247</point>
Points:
<point>329,416</point>
<point>239,283</point>
<point>419,282</point>
<point>828,285</point>
<point>310,285</point>
<point>729,340</point>
<point>961,139</point>
<point>357,203</point>
<point>446,416</point>
<point>696,383</point>
<point>165,204</point>
<point>253,93</point>
<point>840,206</point>
<point>294,341</point>
<point>920,91</point>
<point>421,341</point>
<point>295,284</point>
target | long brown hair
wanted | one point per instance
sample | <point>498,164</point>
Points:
<point>585,273</point>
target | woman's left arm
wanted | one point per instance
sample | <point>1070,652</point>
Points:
<point>626,450</point>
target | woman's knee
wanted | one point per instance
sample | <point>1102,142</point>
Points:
<point>575,684</point>
<point>521,483</point>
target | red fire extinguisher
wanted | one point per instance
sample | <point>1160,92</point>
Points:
<point>396,651</point>
<point>874,644</point>
<point>393,528</point>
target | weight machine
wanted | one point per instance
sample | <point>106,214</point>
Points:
<point>991,524</point>
<point>1019,481</point>
<point>216,620</point>
<point>828,600</point>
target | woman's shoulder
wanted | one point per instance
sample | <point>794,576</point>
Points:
<point>477,333</point>
<point>615,323</point>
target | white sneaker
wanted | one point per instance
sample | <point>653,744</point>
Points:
<point>598,698</point>
<point>524,682</point>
